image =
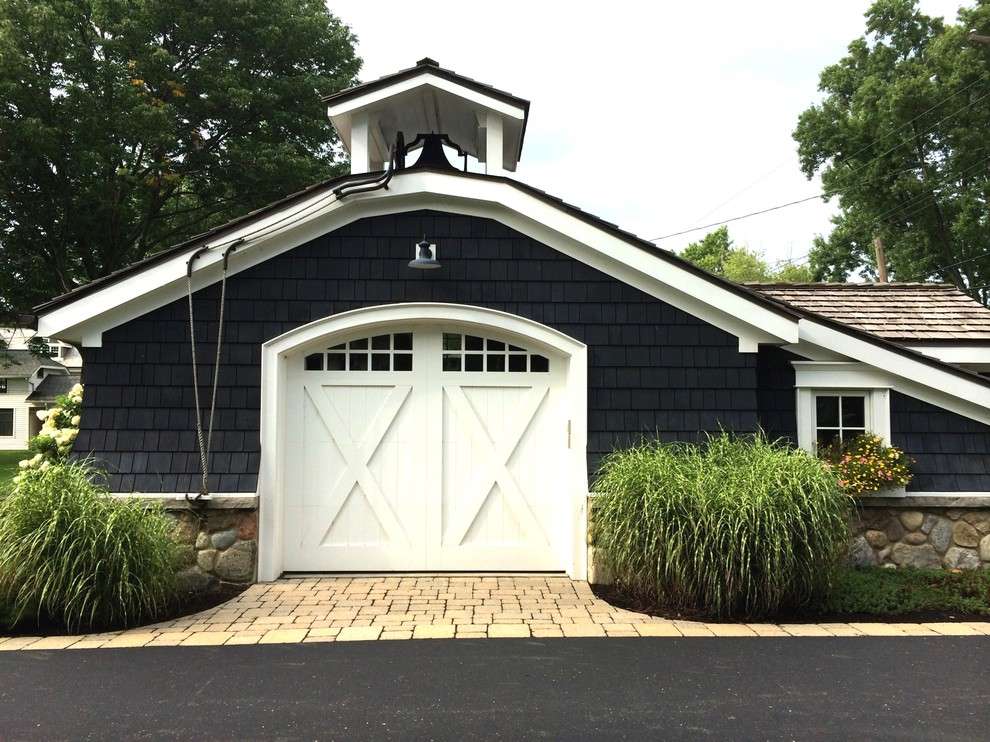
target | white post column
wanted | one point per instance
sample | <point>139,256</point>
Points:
<point>360,141</point>
<point>493,144</point>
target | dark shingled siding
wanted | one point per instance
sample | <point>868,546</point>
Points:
<point>949,450</point>
<point>652,368</point>
<point>775,394</point>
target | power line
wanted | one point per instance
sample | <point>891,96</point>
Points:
<point>736,218</point>
<point>950,265</point>
<point>855,171</point>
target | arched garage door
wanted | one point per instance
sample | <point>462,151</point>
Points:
<point>426,447</point>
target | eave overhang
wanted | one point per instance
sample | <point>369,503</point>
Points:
<point>82,316</point>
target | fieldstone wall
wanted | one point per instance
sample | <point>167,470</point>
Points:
<point>953,538</point>
<point>220,545</point>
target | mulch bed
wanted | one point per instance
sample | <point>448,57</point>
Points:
<point>630,600</point>
<point>187,605</point>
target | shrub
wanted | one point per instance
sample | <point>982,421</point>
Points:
<point>60,426</point>
<point>737,527</point>
<point>865,464</point>
<point>73,553</point>
<point>888,592</point>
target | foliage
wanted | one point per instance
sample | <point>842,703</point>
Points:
<point>716,253</point>
<point>889,592</point>
<point>8,468</point>
<point>58,431</point>
<point>127,126</point>
<point>72,552</point>
<point>865,464</point>
<point>902,138</point>
<point>737,527</point>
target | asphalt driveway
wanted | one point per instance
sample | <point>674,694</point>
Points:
<point>610,688</point>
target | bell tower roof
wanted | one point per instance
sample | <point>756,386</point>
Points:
<point>486,123</point>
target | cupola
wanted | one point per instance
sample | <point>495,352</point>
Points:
<point>484,123</point>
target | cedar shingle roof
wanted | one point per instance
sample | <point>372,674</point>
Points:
<point>904,312</point>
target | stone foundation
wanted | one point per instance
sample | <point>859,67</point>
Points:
<point>913,531</point>
<point>220,544</point>
<point>921,536</point>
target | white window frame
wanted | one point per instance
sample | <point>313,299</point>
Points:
<point>813,379</point>
<point>53,348</point>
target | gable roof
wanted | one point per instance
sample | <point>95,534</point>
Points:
<point>429,99</point>
<point>280,226</point>
<point>903,312</point>
<point>23,363</point>
<point>52,387</point>
<point>756,319</point>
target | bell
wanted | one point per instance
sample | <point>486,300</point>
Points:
<point>426,259</point>
<point>433,155</point>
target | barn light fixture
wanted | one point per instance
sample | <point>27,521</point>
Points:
<point>426,259</point>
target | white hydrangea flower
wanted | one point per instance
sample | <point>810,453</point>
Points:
<point>76,420</point>
<point>43,414</point>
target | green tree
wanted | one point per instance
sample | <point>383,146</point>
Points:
<point>902,138</point>
<point>716,253</point>
<point>130,125</point>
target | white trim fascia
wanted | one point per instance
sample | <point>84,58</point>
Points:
<point>700,297</point>
<point>924,381</point>
<point>85,319</point>
<point>812,352</point>
<point>839,375</point>
<point>275,356</point>
<point>369,318</point>
<point>424,79</point>
<point>961,355</point>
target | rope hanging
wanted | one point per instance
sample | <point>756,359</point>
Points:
<point>206,442</point>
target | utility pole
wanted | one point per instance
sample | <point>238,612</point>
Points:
<point>881,259</point>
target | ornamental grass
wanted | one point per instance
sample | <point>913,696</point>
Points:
<point>735,527</point>
<point>73,554</point>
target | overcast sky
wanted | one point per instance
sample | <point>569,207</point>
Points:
<point>659,117</point>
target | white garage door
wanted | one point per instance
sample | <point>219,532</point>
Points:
<point>427,448</point>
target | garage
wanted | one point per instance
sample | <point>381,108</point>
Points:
<point>426,447</point>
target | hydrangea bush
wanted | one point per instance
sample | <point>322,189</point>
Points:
<point>864,464</point>
<point>58,431</point>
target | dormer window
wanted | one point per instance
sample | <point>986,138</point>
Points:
<point>52,348</point>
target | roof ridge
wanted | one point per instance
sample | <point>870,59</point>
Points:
<point>850,285</point>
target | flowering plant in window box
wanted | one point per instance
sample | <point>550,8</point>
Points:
<point>865,464</point>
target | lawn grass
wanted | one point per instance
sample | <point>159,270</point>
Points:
<point>8,466</point>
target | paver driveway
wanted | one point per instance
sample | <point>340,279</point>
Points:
<point>323,609</point>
